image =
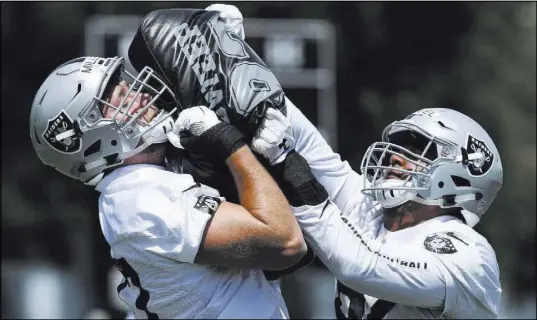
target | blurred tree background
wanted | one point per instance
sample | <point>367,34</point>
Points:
<point>392,58</point>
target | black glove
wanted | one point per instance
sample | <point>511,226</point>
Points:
<point>199,131</point>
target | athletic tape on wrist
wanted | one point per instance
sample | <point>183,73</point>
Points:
<point>224,139</point>
<point>298,182</point>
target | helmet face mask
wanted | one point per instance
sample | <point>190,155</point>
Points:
<point>393,185</point>
<point>450,161</point>
<point>132,126</point>
<point>69,130</point>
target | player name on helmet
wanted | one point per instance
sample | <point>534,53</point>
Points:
<point>88,64</point>
<point>196,47</point>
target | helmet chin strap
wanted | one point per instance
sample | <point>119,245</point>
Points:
<point>441,202</point>
<point>388,197</point>
<point>471,218</point>
<point>155,135</point>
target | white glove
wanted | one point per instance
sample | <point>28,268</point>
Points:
<point>274,138</point>
<point>231,16</point>
<point>194,120</point>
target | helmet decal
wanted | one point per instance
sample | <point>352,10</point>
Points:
<point>481,166</point>
<point>60,124</point>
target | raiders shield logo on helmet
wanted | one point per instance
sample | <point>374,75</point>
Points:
<point>480,166</point>
<point>439,244</point>
<point>59,124</point>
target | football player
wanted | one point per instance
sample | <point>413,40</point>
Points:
<point>184,58</point>
<point>183,250</point>
<point>399,237</point>
<point>203,57</point>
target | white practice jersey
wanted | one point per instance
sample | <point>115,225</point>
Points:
<point>154,221</point>
<point>440,268</point>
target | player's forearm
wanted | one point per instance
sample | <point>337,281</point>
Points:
<point>262,197</point>
<point>297,181</point>
<point>360,263</point>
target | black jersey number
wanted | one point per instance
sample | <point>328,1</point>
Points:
<point>132,278</point>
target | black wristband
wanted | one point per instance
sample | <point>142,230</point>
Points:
<point>297,182</point>
<point>217,143</point>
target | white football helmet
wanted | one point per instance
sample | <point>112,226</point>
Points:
<point>457,164</point>
<point>68,130</point>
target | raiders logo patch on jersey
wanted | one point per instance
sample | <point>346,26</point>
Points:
<point>60,124</point>
<point>439,244</point>
<point>207,204</point>
<point>481,166</point>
